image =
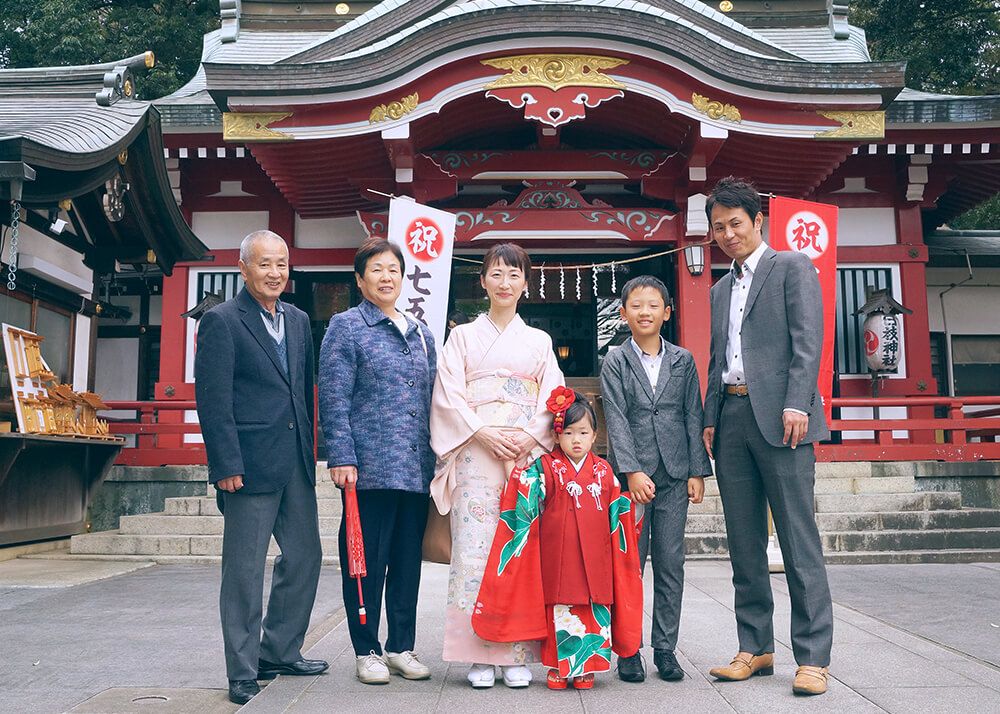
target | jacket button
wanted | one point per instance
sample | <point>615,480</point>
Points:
<point>409,383</point>
<point>291,425</point>
<point>656,411</point>
<point>406,350</point>
<point>413,413</point>
<point>413,447</point>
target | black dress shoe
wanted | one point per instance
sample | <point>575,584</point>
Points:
<point>242,691</point>
<point>632,669</point>
<point>666,665</point>
<point>302,668</point>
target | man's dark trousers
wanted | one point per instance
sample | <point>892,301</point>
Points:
<point>393,534</point>
<point>752,474</point>
<point>250,519</point>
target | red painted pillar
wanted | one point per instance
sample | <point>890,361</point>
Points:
<point>172,352</point>
<point>281,220</point>
<point>694,313</point>
<point>917,341</point>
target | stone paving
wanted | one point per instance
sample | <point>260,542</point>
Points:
<point>908,638</point>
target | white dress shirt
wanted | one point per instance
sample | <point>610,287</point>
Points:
<point>650,363</point>
<point>732,372</point>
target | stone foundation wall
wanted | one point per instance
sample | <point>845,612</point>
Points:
<point>977,481</point>
<point>131,490</point>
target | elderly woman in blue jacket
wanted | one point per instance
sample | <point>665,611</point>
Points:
<point>376,374</point>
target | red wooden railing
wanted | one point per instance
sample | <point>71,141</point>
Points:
<point>148,428</point>
<point>958,435</point>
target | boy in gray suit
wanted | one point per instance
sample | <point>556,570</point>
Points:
<point>653,410</point>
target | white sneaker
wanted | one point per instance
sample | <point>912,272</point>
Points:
<point>372,669</point>
<point>482,676</point>
<point>516,676</point>
<point>407,665</point>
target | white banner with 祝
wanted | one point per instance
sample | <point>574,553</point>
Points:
<point>427,237</point>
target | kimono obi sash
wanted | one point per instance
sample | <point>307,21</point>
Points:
<point>501,397</point>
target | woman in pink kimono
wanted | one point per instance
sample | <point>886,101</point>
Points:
<point>487,414</point>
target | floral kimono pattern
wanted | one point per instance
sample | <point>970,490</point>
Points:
<point>521,600</point>
<point>486,377</point>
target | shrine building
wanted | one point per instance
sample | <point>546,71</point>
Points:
<point>589,132</point>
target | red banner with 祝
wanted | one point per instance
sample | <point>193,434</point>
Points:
<point>811,228</point>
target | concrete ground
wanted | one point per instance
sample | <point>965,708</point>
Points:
<point>88,638</point>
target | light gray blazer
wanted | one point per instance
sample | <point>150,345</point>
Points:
<point>782,336</point>
<point>647,429</point>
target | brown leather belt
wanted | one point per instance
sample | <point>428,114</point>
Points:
<point>739,390</point>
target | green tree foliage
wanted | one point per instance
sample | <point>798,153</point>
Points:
<point>951,46</point>
<point>39,33</point>
<point>984,217</point>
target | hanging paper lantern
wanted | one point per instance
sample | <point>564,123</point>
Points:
<point>882,348</point>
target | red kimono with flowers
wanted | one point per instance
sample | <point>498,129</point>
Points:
<point>564,566</point>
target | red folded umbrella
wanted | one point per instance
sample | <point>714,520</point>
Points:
<point>356,567</point>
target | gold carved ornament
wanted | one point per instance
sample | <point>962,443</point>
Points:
<point>714,109</point>
<point>394,110</point>
<point>854,125</point>
<point>252,126</point>
<point>554,71</point>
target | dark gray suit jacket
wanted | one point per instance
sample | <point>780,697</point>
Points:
<point>256,420</point>
<point>646,429</point>
<point>782,337</point>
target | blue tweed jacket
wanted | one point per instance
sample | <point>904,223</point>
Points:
<point>375,399</point>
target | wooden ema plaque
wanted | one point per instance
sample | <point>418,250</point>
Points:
<point>43,404</point>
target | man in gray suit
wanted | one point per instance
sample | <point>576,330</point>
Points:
<point>254,386</point>
<point>652,406</point>
<point>762,415</point>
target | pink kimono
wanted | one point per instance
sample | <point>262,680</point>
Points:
<point>485,377</point>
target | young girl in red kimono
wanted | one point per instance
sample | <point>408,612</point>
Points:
<point>564,564</point>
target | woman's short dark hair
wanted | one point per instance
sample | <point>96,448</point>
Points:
<point>645,281</point>
<point>372,247</point>
<point>509,254</point>
<point>732,192</point>
<point>579,409</point>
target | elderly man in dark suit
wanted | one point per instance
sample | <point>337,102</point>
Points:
<point>762,415</point>
<point>254,386</point>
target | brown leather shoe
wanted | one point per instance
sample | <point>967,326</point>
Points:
<point>744,666</point>
<point>810,680</point>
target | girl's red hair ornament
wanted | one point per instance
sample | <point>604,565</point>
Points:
<point>557,403</point>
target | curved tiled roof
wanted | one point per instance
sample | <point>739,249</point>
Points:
<point>914,107</point>
<point>721,48</point>
<point>50,119</point>
<point>394,19</point>
<point>53,115</point>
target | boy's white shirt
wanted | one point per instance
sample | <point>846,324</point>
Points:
<point>651,363</point>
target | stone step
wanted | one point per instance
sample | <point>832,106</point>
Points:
<point>114,543</point>
<point>873,541</point>
<point>206,506</point>
<point>872,521</point>
<point>985,555</point>
<point>884,502</point>
<point>889,484</point>
<point>861,502</point>
<point>162,524</point>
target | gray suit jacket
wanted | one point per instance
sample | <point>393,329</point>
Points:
<point>647,429</point>
<point>782,336</point>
